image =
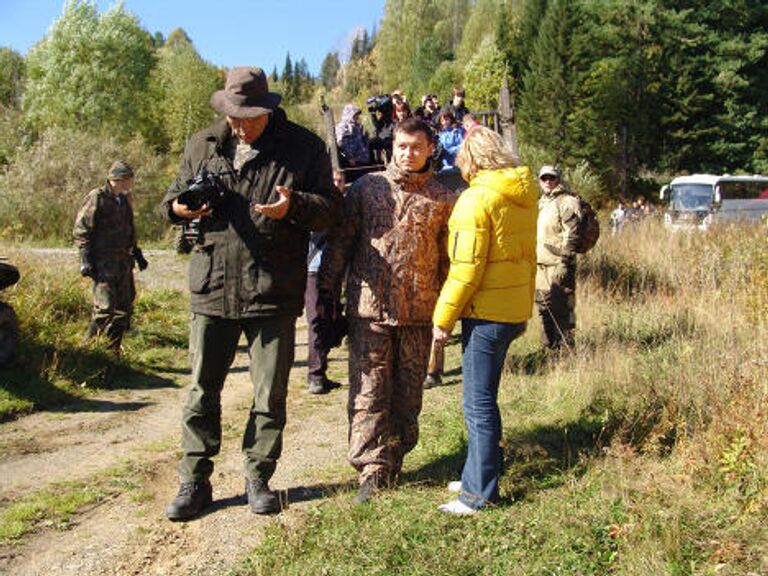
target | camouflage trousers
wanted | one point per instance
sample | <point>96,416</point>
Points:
<point>113,296</point>
<point>556,303</point>
<point>387,366</point>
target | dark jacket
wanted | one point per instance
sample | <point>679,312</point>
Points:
<point>246,264</point>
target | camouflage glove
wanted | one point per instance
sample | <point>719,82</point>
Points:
<point>138,256</point>
<point>86,268</point>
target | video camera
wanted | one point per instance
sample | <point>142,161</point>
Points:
<point>383,103</point>
<point>206,188</point>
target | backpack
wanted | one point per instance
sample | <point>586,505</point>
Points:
<point>589,227</point>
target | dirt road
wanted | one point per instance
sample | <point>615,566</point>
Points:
<point>128,534</point>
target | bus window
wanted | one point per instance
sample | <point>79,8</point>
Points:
<point>691,197</point>
<point>742,190</point>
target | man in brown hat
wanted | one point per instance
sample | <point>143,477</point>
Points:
<point>106,238</point>
<point>270,185</point>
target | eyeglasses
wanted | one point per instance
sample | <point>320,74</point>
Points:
<point>548,178</point>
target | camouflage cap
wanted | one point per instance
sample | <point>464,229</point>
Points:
<point>120,170</point>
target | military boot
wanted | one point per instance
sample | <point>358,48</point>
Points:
<point>368,487</point>
<point>261,499</point>
<point>192,499</point>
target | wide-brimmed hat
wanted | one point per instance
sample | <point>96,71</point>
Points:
<point>246,94</point>
<point>120,170</point>
<point>548,170</point>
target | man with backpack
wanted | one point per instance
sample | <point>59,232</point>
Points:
<point>567,226</point>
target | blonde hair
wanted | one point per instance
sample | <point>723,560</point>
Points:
<point>483,149</point>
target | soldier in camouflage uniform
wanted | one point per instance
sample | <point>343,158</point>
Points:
<point>106,238</point>
<point>393,240</point>
<point>557,238</point>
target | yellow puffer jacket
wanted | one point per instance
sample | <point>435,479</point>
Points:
<point>492,246</point>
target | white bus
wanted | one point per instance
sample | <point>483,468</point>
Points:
<point>700,200</point>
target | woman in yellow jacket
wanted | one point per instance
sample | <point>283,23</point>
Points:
<point>490,285</point>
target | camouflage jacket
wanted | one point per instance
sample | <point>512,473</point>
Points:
<point>104,229</point>
<point>557,229</point>
<point>393,244</point>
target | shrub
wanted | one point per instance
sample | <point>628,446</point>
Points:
<point>44,186</point>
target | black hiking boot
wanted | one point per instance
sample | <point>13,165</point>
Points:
<point>261,499</point>
<point>433,380</point>
<point>192,499</point>
<point>322,385</point>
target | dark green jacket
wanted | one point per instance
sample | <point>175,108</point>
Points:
<point>248,265</point>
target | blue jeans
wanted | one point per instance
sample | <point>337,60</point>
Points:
<point>484,347</point>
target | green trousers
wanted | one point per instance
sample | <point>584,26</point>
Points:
<point>214,343</point>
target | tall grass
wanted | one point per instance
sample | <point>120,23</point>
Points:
<point>644,452</point>
<point>54,366</point>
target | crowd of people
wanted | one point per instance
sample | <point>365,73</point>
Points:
<point>628,214</point>
<point>359,149</point>
<point>393,260</point>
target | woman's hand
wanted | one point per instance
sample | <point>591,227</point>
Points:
<point>440,334</point>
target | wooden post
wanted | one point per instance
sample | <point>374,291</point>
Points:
<point>507,117</point>
<point>330,135</point>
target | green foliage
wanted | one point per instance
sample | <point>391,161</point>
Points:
<point>483,76</point>
<point>551,84</point>
<point>296,83</point>
<point>44,185</point>
<point>360,77</point>
<point>179,94</point>
<point>406,23</point>
<point>480,24</point>
<point>329,71</point>
<point>89,71</point>
<point>12,76</point>
<point>12,133</point>
<point>429,55</point>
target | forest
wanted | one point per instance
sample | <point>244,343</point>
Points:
<point>623,94</point>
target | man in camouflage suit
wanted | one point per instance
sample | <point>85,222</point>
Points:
<point>557,239</point>
<point>106,238</point>
<point>393,240</point>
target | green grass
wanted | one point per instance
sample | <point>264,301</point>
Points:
<point>56,505</point>
<point>54,367</point>
<point>646,452</point>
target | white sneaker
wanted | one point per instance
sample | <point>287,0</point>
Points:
<point>457,507</point>
<point>454,486</point>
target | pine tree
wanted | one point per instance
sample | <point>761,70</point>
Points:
<point>288,80</point>
<point>548,99</point>
<point>329,70</point>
